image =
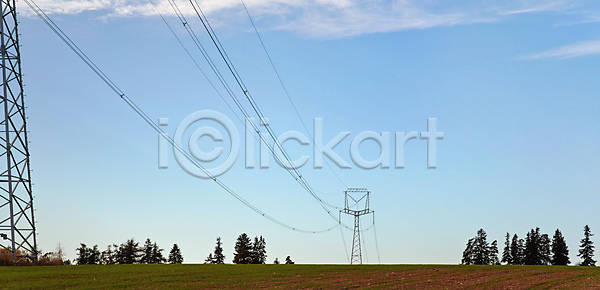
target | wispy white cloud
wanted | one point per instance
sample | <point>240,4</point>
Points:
<point>324,18</point>
<point>528,7</point>
<point>569,51</point>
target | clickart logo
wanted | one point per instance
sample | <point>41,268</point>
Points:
<point>210,140</point>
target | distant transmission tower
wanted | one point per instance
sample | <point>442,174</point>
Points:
<point>357,195</point>
<point>17,226</point>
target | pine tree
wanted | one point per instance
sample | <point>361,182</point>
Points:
<point>209,259</point>
<point>94,255</point>
<point>117,258</point>
<point>87,256</point>
<point>521,252</point>
<point>82,254</point>
<point>586,248</point>
<point>560,251</point>
<point>243,248</point>
<point>157,256</point>
<point>129,252</point>
<point>259,251</point>
<point>107,256</point>
<point>481,249</point>
<point>175,256</point>
<point>506,253</point>
<point>493,254</point>
<point>218,256</point>
<point>515,251</point>
<point>147,252</point>
<point>467,258</point>
<point>532,247</point>
<point>544,250</point>
<point>480,252</point>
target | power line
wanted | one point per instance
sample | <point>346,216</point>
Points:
<point>194,61</point>
<point>213,67</point>
<point>376,243</point>
<point>56,29</point>
<point>286,90</point>
<point>256,108</point>
<point>345,247</point>
<point>292,170</point>
<point>222,80</point>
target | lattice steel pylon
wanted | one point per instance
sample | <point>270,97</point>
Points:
<point>356,257</point>
<point>17,225</point>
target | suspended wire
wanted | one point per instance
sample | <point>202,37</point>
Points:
<point>213,68</point>
<point>286,90</point>
<point>222,80</point>
<point>201,48</point>
<point>240,82</point>
<point>345,247</point>
<point>56,29</point>
<point>217,72</point>
<point>376,243</point>
<point>198,66</point>
<point>178,12</point>
<point>255,107</point>
<point>292,169</point>
<point>195,62</point>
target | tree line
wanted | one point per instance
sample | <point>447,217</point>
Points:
<point>246,251</point>
<point>535,249</point>
<point>129,252</point>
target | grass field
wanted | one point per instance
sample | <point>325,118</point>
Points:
<point>299,276</point>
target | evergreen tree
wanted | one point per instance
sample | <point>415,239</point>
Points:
<point>467,258</point>
<point>276,262</point>
<point>586,248</point>
<point>493,254</point>
<point>521,252</point>
<point>481,249</point>
<point>537,248</point>
<point>94,255</point>
<point>218,256</point>
<point>544,250</point>
<point>243,249</point>
<point>107,256</point>
<point>515,251</point>
<point>506,253</point>
<point>129,252</point>
<point>157,256</point>
<point>259,251</point>
<point>116,254</point>
<point>560,251</point>
<point>175,256</point>
<point>87,256</point>
<point>81,254</point>
<point>480,252</point>
<point>209,259</point>
<point>532,247</point>
<point>288,260</point>
<point>147,252</point>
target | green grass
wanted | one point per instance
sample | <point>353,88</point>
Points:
<point>296,276</point>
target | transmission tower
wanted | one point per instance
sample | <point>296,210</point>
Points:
<point>357,195</point>
<point>17,226</point>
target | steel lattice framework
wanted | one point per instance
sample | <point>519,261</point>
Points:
<point>356,213</point>
<point>17,225</point>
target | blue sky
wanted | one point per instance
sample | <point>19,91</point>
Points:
<point>512,84</point>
